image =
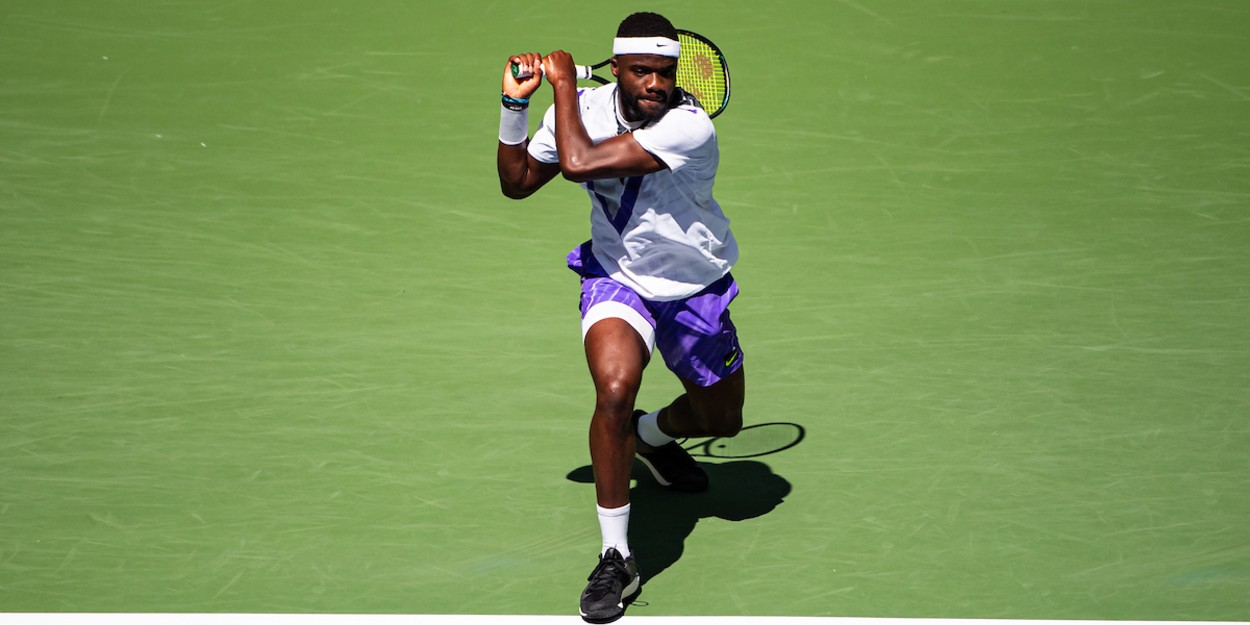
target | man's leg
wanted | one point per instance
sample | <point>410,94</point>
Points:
<point>714,410</point>
<point>700,344</point>
<point>616,355</point>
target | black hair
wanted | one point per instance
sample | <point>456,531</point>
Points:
<point>646,25</point>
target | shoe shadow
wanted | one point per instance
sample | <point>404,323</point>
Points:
<point>660,519</point>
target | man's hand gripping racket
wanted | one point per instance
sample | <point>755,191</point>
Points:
<point>521,86</point>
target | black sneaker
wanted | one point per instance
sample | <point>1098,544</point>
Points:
<point>613,585</point>
<point>671,465</point>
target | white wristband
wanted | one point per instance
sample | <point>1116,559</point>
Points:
<point>514,126</point>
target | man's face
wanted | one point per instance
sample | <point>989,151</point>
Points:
<point>646,82</point>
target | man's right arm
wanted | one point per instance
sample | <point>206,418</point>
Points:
<point>520,174</point>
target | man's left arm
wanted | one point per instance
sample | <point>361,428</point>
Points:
<point>580,158</point>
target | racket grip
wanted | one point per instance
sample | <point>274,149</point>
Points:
<point>583,72</point>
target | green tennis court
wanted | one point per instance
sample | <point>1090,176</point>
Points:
<point>272,341</point>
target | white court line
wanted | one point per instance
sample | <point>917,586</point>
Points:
<point>460,619</point>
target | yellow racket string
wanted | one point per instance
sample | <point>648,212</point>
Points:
<point>701,72</point>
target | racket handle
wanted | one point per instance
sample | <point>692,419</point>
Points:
<point>583,72</point>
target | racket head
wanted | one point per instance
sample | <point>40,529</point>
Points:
<point>702,72</point>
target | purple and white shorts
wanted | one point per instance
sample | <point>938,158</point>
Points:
<point>695,335</point>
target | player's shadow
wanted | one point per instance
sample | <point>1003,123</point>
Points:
<point>660,520</point>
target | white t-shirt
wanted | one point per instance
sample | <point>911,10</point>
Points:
<point>662,234</point>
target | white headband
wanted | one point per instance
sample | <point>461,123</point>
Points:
<point>662,46</point>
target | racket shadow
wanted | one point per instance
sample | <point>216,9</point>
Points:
<point>661,520</point>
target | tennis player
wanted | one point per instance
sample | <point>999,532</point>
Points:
<point>655,273</point>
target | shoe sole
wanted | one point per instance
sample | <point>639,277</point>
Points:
<point>628,594</point>
<point>654,472</point>
<point>665,483</point>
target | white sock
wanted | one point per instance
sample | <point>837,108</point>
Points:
<point>614,526</point>
<point>649,430</point>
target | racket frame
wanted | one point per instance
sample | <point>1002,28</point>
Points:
<point>720,56</point>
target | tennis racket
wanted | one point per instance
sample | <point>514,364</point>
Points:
<point>701,72</point>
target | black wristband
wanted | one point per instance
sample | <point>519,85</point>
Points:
<point>514,104</point>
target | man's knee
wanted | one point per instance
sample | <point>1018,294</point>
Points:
<point>614,401</point>
<point>616,389</point>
